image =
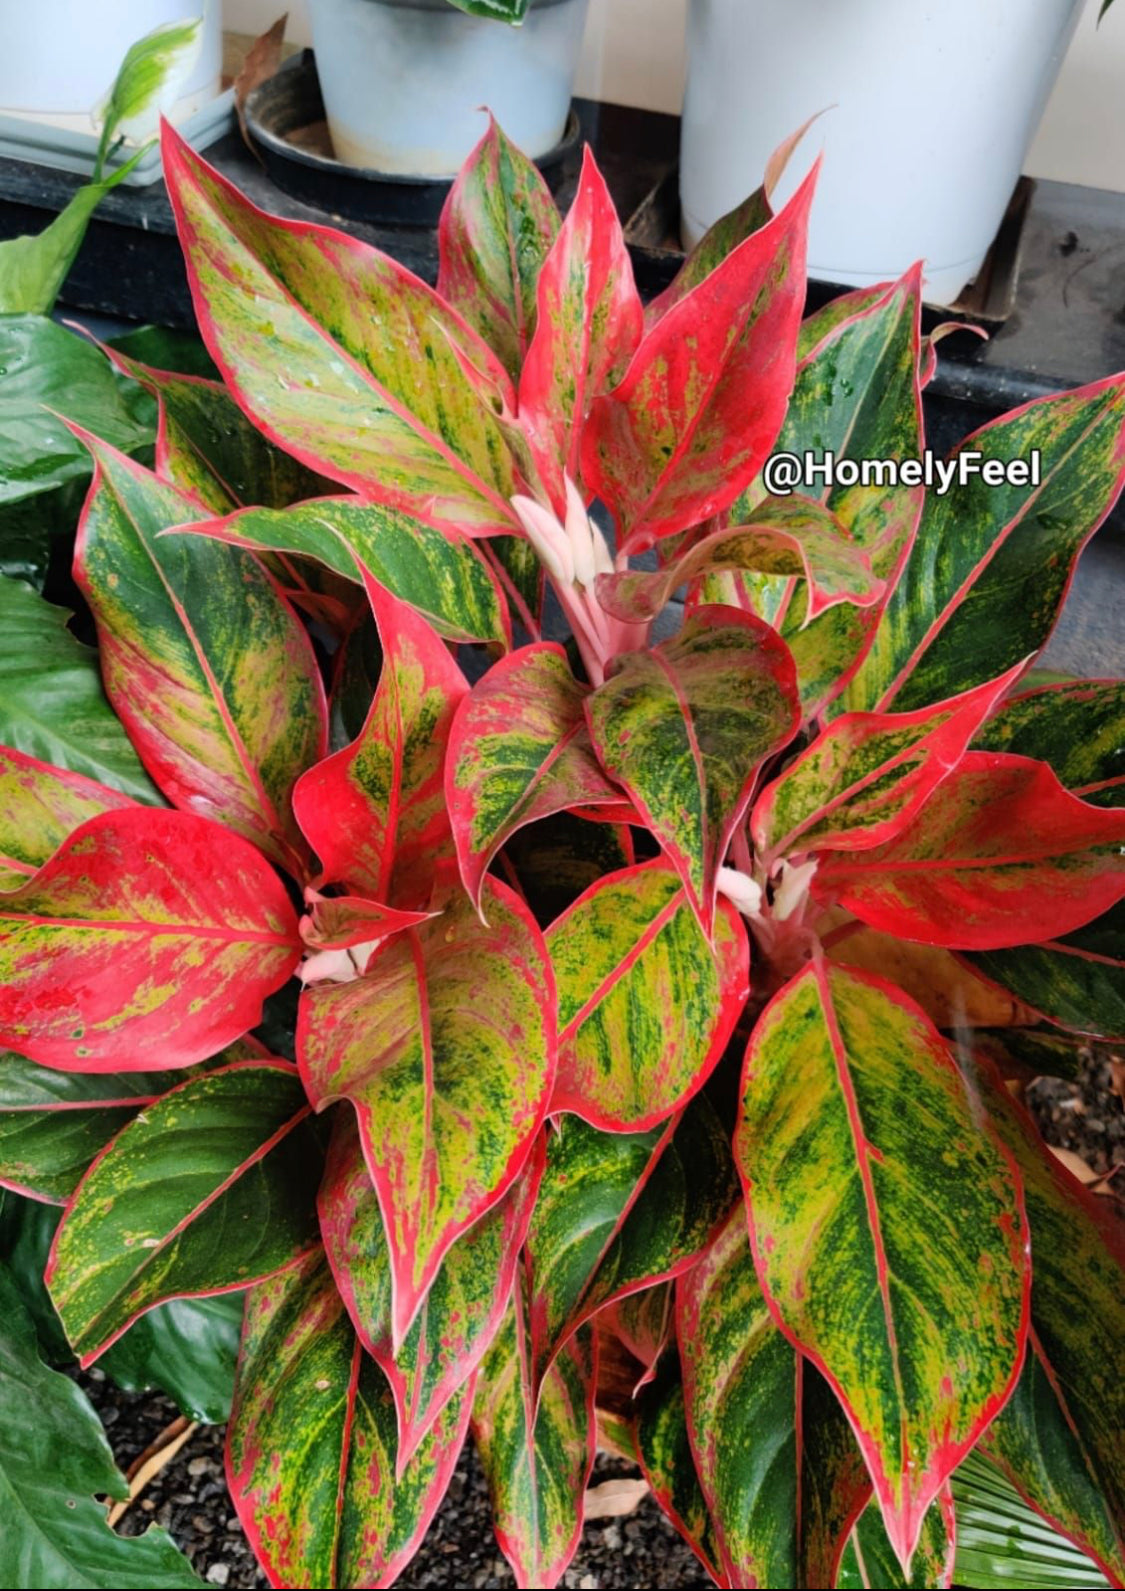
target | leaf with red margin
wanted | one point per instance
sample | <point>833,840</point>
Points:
<point>588,326</point>
<point>496,229</point>
<point>150,939</point>
<point>793,537</point>
<point>1000,855</point>
<point>1077,727</point>
<point>664,1453</point>
<point>869,1561</point>
<point>207,667</point>
<point>1077,982</point>
<point>646,1002</point>
<point>644,1323</point>
<point>1058,1439</point>
<point>991,565</point>
<point>700,406</point>
<point>311,1444</point>
<point>39,806</point>
<point>536,1456</point>
<point>464,1307</point>
<point>887,1225</point>
<point>519,751</point>
<point>210,1188</point>
<point>552,862</point>
<point>685,728</point>
<point>447,1049</point>
<point>617,1212</point>
<point>339,922</point>
<point>375,812</point>
<point>867,775</point>
<point>857,396</point>
<point>344,357</point>
<point>779,1469</point>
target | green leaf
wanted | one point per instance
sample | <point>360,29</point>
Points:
<point>1077,727</point>
<point>439,573</point>
<point>991,564</point>
<point>396,396</point>
<point>1001,1542</point>
<point>887,1227</point>
<point>504,10</point>
<point>536,1455</point>
<point>519,751</point>
<point>148,81</point>
<point>208,669</point>
<point>558,858</point>
<point>163,348</point>
<point>54,1460</point>
<point>33,268</point>
<point>646,1002</point>
<point>1077,981</point>
<point>186,1348</point>
<point>446,1047</point>
<point>311,1443</point>
<point>497,226</point>
<point>777,1463</point>
<point>210,1189</point>
<point>464,1307</point>
<point>618,1211</point>
<point>685,728</point>
<point>664,1451</point>
<point>52,705</point>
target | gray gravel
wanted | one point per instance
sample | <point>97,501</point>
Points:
<point>190,1499</point>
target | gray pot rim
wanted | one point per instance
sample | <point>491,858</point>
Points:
<point>443,5</point>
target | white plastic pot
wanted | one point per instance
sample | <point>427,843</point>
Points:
<point>59,57</point>
<point>933,106</point>
<point>404,80</point>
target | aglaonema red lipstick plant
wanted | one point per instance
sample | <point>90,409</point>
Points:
<point>659,988</point>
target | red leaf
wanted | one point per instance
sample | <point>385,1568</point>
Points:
<point>588,326</point>
<point>375,812</point>
<point>703,399</point>
<point>1000,855</point>
<point>150,939</point>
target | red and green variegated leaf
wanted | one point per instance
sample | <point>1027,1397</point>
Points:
<point>536,1455</point>
<point>1059,1437</point>
<point>951,994</point>
<point>645,1322</point>
<point>869,1560</point>
<point>699,408</point>
<point>207,446</point>
<point>992,564</point>
<point>52,1124</point>
<point>311,1444</point>
<point>211,1187</point>
<point>341,922</point>
<point>1078,728</point>
<point>447,1049</point>
<point>464,1307</point>
<point>792,537</point>
<point>519,751</point>
<point>439,573</point>
<point>342,356</point>
<point>820,325</point>
<point>206,665</point>
<point>779,1468</point>
<point>646,1002</point>
<point>39,807</point>
<point>857,395</point>
<point>150,939</point>
<point>685,728</point>
<point>868,775</point>
<point>664,1453</point>
<point>1077,982</point>
<point>496,229</point>
<point>589,323</point>
<point>888,1227</point>
<point>375,812</point>
<point>618,1211</point>
<point>1000,855</point>
<point>731,229</point>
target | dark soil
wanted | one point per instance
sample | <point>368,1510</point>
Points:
<point>189,1497</point>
